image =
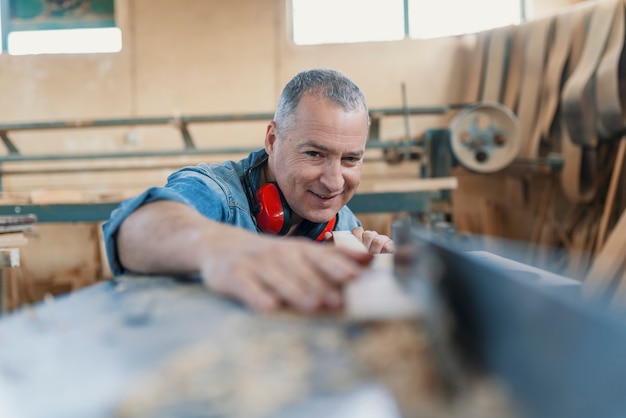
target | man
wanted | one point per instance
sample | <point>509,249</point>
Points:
<point>200,223</point>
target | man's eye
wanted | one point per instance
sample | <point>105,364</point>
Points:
<point>352,160</point>
<point>313,153</point>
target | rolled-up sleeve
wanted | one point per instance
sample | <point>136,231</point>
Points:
<point>111,226</point>
<point>347,220</point>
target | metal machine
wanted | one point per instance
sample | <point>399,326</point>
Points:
<point>485,137</point>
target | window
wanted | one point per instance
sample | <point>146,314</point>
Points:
<point>65,41</point>
<point>433,19</point>
<point>340,21</point>
<point>59,26</point>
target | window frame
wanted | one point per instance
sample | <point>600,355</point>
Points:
<point>7,27</point>
<point>407,25</point>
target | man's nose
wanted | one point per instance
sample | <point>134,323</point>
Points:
<point>332,177</point>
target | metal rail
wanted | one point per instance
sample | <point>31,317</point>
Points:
<point>362,203</point>
<point>182,122</point>
<point>90,212</point>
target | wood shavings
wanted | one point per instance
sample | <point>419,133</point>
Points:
<point>401,356</point>
<point>398,355</point>
<point>256,367</point>
<point>249,368</point>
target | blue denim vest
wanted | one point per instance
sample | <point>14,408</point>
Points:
<point>215,190</point>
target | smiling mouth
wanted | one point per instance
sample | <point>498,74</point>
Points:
<point>325,197</point>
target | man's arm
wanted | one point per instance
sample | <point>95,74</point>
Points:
<point>167,237</point>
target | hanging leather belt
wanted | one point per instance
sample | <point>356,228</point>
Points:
<point>607,89</point>
<point>579,136</point>
<point>559,51</point>
<point>494,72</point>
<point>534,67</point>
<point>511,92</point>
<point>578,93</point>
<point>558,74</point>
<point>473,89</point>
<point>608,267</point>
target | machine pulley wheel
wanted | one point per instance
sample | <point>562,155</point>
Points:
<point>485,137</point>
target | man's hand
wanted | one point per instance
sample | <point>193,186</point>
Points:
<point>268,272</point>
<point>374,242</point>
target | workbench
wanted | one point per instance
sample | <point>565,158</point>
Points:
<point>139,346</point>
<point>157,347</point>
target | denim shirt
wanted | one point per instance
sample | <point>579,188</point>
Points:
<point>214,190</point>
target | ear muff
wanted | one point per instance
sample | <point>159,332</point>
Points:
<point>273,214</point>
<point>267,204</point>
<point>316,231</point>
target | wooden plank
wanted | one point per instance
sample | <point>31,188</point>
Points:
<point>15,228</point>
<point>42,197</point>
<point>607,263</point>
<point>18,219</point>
<point>619,299</point>
<point>9,257</point>
<point>608,203</point>
<point>416,185</point>
<point>376,293</point>
<point>13,239</point>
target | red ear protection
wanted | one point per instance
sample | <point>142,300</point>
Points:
<point>274,216</point>
<point>315,231</point>
<point>272,213</point>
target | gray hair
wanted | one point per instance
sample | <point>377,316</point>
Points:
<point>325,82</point>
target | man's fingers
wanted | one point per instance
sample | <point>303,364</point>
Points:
<point>257,296</point>
<point>342,264</point>
<point>246,289</point>
<point>299,273</point>
<point>290,285</point>
<point>374,242</point>
<point>308,277</point>
<point>389,247</point>
<point>377,243</point>
<point>358,232</point>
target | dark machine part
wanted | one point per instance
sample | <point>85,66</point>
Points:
<point>557,355</point>
<point>419,272</point>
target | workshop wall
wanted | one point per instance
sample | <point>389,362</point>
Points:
<point>192,57</point>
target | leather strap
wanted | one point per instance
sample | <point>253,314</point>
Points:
<point>494,73</point>
<point>610,195</point>
<point>514,74</point>
<point>607,76</point>
<point>473,89</point>
<point>572,173</point>
<point>534,64</point>
<point>578,93</point>
<point>559,52</point>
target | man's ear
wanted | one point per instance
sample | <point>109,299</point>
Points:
<point>270,137</point>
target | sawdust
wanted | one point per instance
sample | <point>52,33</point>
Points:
<point>249,368</point>
<point>256,367</point>
<point>401,355</point>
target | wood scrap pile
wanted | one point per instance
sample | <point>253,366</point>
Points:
<point>13,236</point>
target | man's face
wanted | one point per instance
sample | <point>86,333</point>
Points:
<point>317,164</point>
